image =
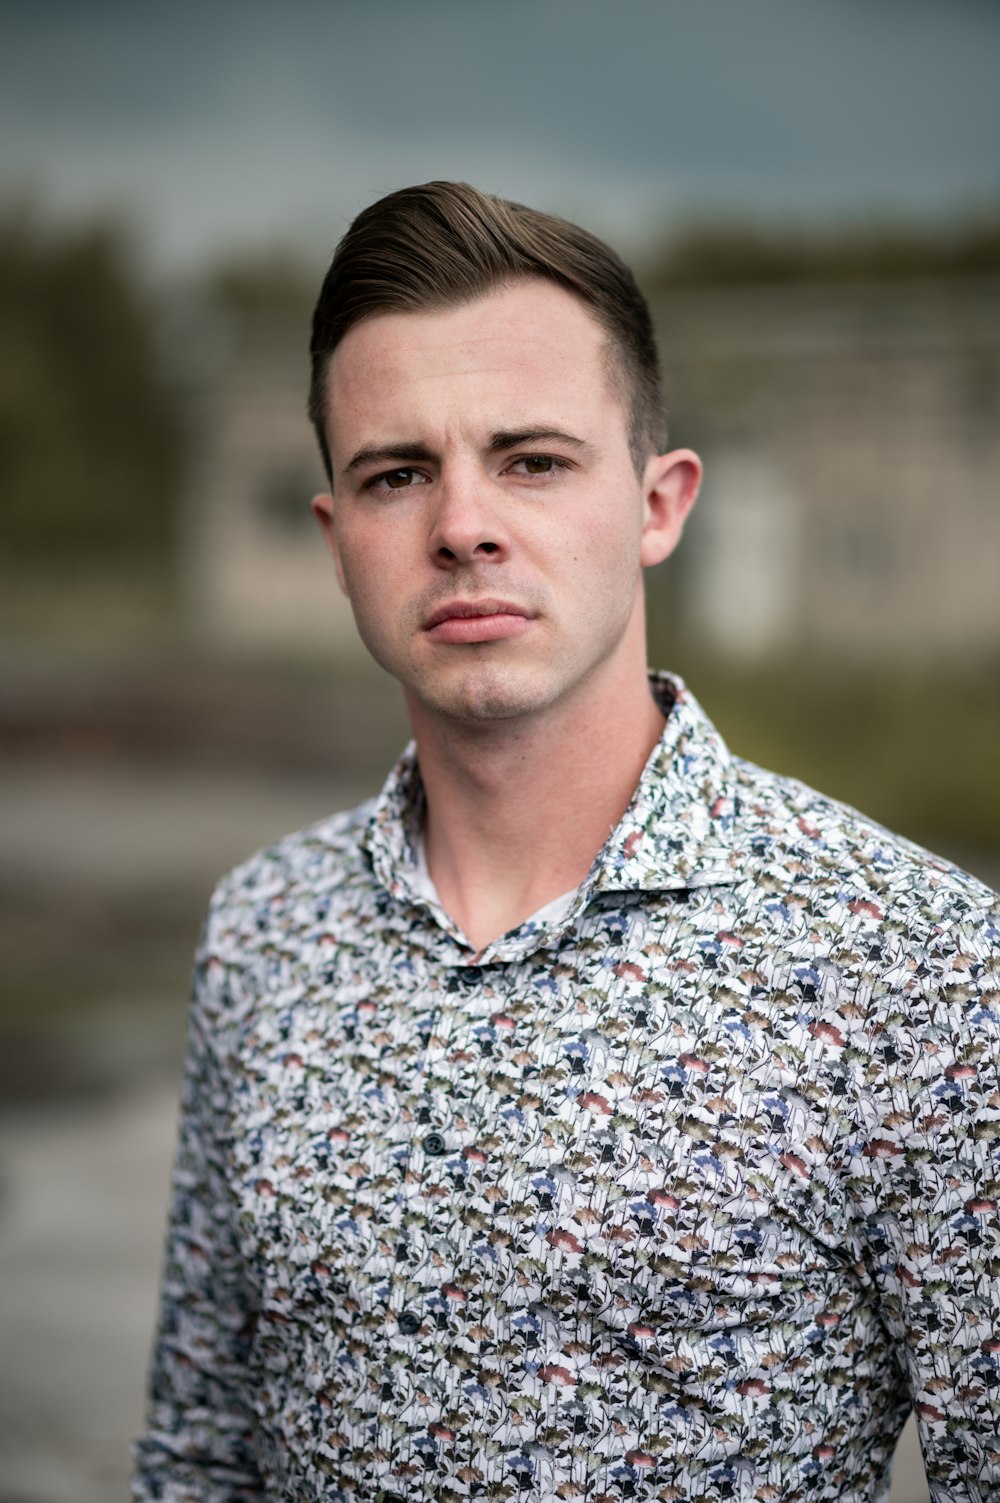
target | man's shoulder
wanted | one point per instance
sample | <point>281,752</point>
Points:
<point>315,862</point>
<point>276,915</point>
<point>793,832</point>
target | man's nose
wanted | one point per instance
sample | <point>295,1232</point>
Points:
<point>468,524</point>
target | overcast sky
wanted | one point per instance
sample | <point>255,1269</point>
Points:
<point>216,124</point>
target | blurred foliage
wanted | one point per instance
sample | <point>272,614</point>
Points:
<point>264,285</point>
<point>914,749</point>
<point>744,254</point>
<point>266,299</point>
<point>90,454</point>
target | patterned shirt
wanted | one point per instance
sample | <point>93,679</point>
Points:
<point>687,1195</point>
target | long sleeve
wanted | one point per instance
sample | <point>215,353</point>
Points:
<point>926,1178</point>
<point>198,1444</point>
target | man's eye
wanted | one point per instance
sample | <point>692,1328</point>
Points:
<point>391,480</point>
<point>539,464</point>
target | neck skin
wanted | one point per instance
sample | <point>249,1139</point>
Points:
<point>518,809</point>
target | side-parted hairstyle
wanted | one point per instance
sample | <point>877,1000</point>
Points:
<point>443,244</point>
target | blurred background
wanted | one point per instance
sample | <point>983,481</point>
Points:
<point>811,196</point>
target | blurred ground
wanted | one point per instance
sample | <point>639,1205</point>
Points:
<point>118,808</point>
<point>80,1227</point>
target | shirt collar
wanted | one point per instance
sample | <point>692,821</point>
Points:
<point>676,832</point>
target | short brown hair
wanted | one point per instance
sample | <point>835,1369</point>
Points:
<point>442,244</point>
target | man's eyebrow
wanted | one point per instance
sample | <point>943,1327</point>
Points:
<point>500,441</point>
<point>513,438</point>
<point>388,454</point>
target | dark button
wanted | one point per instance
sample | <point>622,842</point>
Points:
<point>434,1144</point>
<point>385,1497</point>
<point>408,1323</point>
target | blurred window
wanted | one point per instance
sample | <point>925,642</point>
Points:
<point>284,496</point>
<point>863,548</point>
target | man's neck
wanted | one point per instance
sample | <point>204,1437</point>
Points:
<point>517,812</point>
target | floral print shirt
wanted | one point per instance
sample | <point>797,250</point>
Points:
<point>690,1194</point>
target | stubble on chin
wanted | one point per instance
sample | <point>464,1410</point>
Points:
<point>478,694</point>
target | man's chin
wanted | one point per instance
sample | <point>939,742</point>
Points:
<point>480,698</point>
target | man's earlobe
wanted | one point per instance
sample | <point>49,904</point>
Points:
<point>670,488</point>
<point>322,510</point>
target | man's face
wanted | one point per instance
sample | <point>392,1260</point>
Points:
<point>486,518</point>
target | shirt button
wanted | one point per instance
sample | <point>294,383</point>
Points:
<point>434,1143</point>
<point>388,1497</point>
<point>408,1322</point>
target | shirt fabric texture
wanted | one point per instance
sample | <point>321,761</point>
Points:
<point>687,1195</point>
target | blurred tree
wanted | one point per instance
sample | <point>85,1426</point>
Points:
<point>266,297</point>
<point>89,438</point>
<point>267,283</point>
<point>750,255</point>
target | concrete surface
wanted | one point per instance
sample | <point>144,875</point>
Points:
<point>81,1218</point>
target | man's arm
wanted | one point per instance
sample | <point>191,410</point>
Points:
<point>927,1180</point>
<point>198,1446</point>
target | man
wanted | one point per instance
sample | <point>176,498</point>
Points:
<point>593,1116</point>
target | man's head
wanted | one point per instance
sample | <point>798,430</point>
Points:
<point>496,485</point>
<point>440,245</point>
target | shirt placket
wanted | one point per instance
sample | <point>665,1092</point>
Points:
<point>428,1292</point>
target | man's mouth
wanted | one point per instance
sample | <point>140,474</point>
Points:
<point>460,621</point>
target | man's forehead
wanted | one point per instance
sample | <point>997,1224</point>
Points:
<point>529,323</point>
<point>530,355</point>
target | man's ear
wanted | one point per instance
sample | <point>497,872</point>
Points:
<point>670,487</point>
<point>322,510</point>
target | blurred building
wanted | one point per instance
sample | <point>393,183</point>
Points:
<point>851,435</point>
<point>255,572</point>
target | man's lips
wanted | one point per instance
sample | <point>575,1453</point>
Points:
<point>477,621</point>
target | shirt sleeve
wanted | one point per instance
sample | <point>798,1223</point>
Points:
<point>198,1445</point>
<point>926,1177</point>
